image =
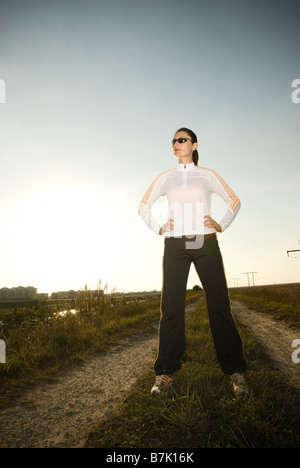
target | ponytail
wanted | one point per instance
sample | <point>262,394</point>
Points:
<point>195,157</point>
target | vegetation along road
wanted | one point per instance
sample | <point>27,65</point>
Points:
<point>64,411</point>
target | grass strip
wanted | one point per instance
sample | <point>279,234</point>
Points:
<point>282,303</point>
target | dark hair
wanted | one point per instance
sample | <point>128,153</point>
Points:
<point>193,136</point>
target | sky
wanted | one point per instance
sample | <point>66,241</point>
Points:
<point>91,94</point>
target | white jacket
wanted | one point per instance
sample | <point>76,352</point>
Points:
<point>188,189</point>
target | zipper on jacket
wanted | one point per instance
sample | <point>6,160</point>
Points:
<point>184,182</point>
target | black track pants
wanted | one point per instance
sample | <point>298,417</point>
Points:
<point>209,266</point>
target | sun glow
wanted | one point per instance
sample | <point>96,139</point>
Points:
<point>64,230</point>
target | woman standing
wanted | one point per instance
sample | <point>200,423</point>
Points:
<point>190,236</point>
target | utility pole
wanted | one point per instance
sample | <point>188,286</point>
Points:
<point>235,281</point>
<point>248,273</point>
<point>290,251</point>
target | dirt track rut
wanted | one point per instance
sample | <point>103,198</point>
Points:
<point>276,338</point>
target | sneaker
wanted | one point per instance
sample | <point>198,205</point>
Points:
<point>162,382</point>
<point>239,384</point>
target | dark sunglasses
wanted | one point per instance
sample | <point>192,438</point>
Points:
<point>180,140</point>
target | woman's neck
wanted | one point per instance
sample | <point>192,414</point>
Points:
<point>185,160</point>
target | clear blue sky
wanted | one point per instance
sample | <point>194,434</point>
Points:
<point>94,93</point>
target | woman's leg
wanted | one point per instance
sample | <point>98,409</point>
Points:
<point>209,265</point>
<point>171,343</point>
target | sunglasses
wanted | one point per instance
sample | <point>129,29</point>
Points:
<point>180,140</point>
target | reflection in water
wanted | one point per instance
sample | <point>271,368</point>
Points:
<point>64,312</point>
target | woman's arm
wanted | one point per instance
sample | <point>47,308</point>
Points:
<point>150,197</point>
<point>219,186</point>
<point>155,191</point>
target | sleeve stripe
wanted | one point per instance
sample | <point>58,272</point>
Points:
<point>148,193</point>
<point>234,199</point>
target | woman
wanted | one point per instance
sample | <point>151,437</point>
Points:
<point>190,236</point>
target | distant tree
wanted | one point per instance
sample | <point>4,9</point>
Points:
<point>197,288</point>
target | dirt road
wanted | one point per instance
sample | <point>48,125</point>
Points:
<point>276,338</point>
<point>61,414</point>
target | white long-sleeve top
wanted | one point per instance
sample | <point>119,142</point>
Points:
<point>189,190</point>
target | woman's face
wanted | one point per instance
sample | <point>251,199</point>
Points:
<point>184,150</point>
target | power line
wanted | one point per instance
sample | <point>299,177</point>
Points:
<point>252,273</point>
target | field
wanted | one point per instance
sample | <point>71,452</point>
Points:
<point>282,301</point>
<point>200,410</point>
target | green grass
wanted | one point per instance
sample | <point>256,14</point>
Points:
<point>280,302</point>
<point>200,410</point>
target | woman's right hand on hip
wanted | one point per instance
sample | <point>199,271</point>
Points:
<point>167,227</point>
